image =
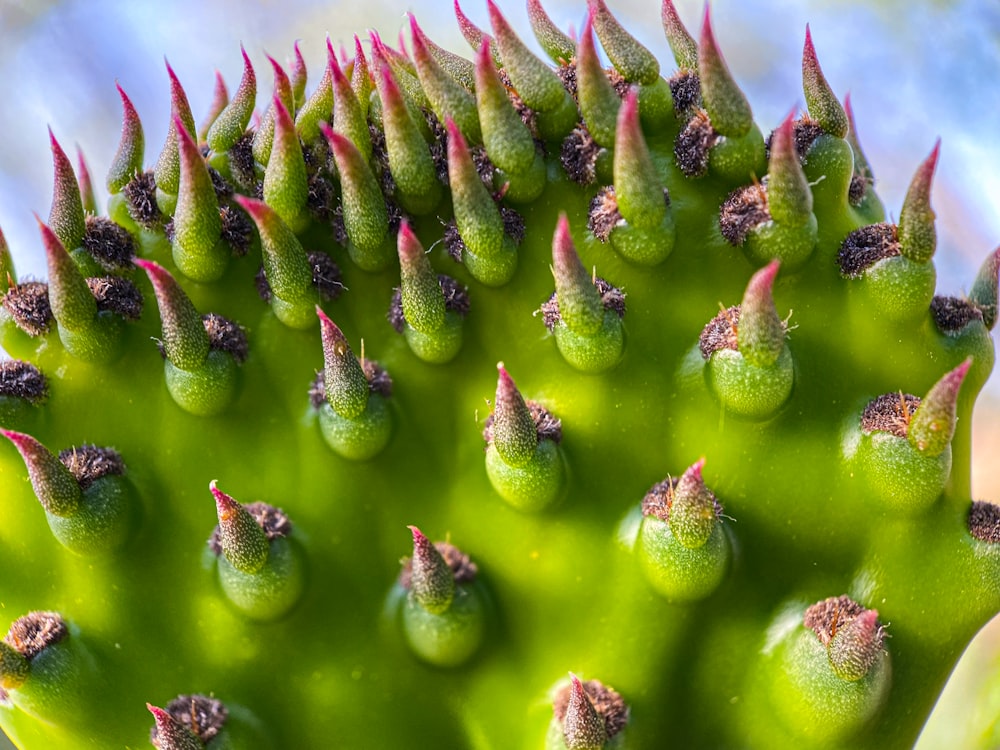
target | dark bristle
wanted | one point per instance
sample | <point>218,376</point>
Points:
<point>118,295</point>
<point>88,463</point>
<point>685,90</point>
<point>237,231</point>
<point>20,379</point>
<point>693,144</point>
<point>140,198</point>
<point>720,333</point>
<point>242,165</point>
<point>865,246</point>
<point>326,276</point>
<point>28,304</point>
<point>578,155</point>
<point>35,631</point>
<point>204,716</point>
<point>984,522</point>
<point>952,314</point>
<point>226,336</point>
<point>108,243</point>
<point>603,215</point>
<point>744,210</point>
<point>826,617</point>
<point>890,412</point>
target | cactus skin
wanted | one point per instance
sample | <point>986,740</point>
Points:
<point>566,589</point>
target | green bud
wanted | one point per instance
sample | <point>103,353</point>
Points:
<point>558,46</point>
<point>286,185</point>
<point>727,107</point>
<point>448,98</point>
<point>824,107</point>
<point>232,122</point>
<point>365,217</point>
<point>636,63</point>
<point>508,142</point>
<point>410,161</point>
<point>66,215</point>
<point>286,266</point>
<point>128,160</point>
<point>599,102</point>
<point>682,44</point>
<point>197,250</point>
<point>168,167</point>
<point>917,237</point>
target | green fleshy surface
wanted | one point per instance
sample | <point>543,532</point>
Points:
<point>565,593</point>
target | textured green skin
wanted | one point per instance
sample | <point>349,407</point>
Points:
<point>566,593</point>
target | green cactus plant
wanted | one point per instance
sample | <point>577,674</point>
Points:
<point>676,399</point>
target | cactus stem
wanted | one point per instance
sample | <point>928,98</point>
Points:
<point>127,162</point>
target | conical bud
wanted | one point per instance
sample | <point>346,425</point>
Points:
<point>583,728</point>
<point>558,46</point>
<point>760,333</point>
<point>348,116</point>
<point>984,289</point>
<point>286,184</point>
<point>128,160</point>
<point>171,734</point>
<point>232,122</point>
<point>599,102</point>
<point>422,298</point>
<point>508,142</point>
<point>184,339</point>
<point>514,433</point>
<point>366,219</point>
<point>694,511</point>
<point>476,215</point>
<point>580,304</point>
<point>917,237</point>
<point>55,486</point>
<point>410,161</point>
<point>535,81</point>
<point>638,186</point>
<point>682,44</point>
<point>636,63</point>
<point>789,199</point>
<point>318,107</point>
<point>933,424</point>
<point>345,382</point>
<point>66,216</point>
<point>167,171</point>
<point>220,98</point>
<point>243,541</point>
<point>448,98</point>
<point>727,107</point>
<point>197,225</point>
<point>824,107</point>
<point>432,582</point>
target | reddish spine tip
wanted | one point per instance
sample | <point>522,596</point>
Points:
<point>409,246</point>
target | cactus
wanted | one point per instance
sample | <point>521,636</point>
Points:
<point>539,405</point>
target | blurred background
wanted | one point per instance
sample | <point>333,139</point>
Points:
<point>915,69</point>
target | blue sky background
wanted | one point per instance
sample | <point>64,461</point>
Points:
<point>916,70</point>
